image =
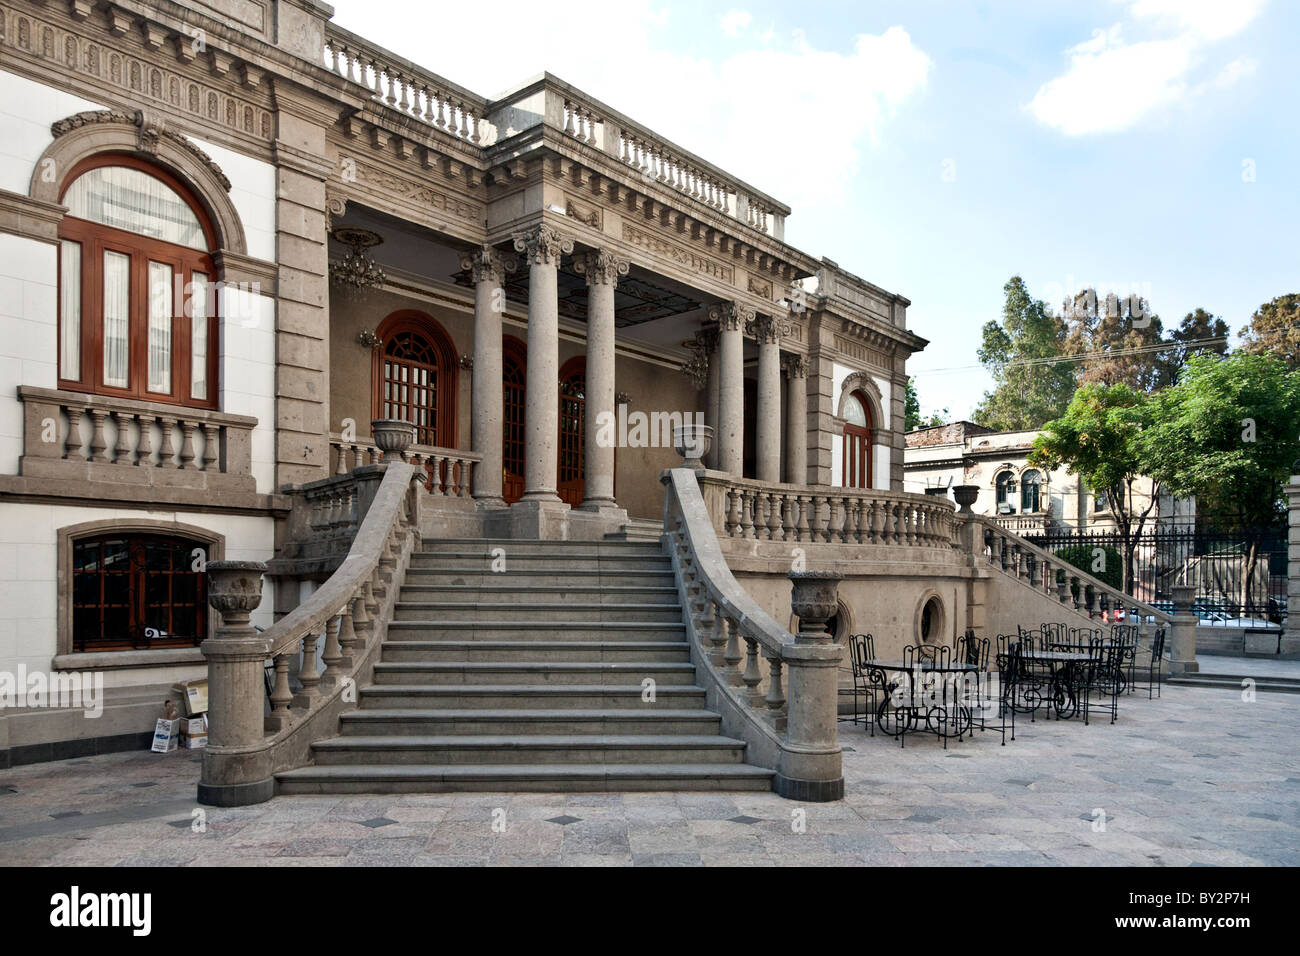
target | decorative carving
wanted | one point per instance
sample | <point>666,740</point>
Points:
<point>488,265</point>
<point>601,267</point>
<point>543,245</point>
<point>767,329</point>
<point>585,214</point>
<point>760,287</point>
<point>151,126</point>
<point>731,316</point>
<point>685,257</point>
<point>795,366</point>
<point>419,195</point>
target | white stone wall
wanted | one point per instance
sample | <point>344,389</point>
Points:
<point>252,191</point>
<point>29,576</point>
<point>29,343</point>
<point>26,111</point>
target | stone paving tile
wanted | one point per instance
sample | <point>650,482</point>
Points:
<point>1167,803</point>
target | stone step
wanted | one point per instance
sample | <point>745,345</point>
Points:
<point>1233,682</point>
<point>523,546</point>
<point>527,578</point>
<point>543,594</point>
<point>546,778</point>
<point>399,631</point>
<point>558,697</point>
<point>524,722</point>
<point>527,611</point>
<point>541,560</point>
<point>537,651</point>
<point>547,672</point>
<point>535,749</point>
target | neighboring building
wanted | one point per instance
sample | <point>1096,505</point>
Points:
<point>1024,498</point>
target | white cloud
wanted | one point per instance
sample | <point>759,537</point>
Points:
<point>733,21</point>
<point>774,110</point>
<point>1112,84</point>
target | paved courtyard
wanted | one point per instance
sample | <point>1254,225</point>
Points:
<point>1198,778</point>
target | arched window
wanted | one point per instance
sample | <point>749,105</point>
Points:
<point>138,591</point>
<point>857,441</point>
<point>573,415</point>
<point>1030,492</point>
<point>514,367</point>
<point>137,300</point>
<point>415,377</point>
<point>1004,483</point>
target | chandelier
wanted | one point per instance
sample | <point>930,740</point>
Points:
<point>697,368</point>
<point>357,270</point>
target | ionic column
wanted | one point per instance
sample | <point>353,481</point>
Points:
<point>489,268</point>
<point>729,435</point>
<point>708,339</point>
<point>796,424</point>
<point>602,270</point>
<point>767,458</point>
<point>542,248</point>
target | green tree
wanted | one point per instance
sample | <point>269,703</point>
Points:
<point>1275,329</point>
<point>1098,438</point>
<point>912,417</point>
<point>1190,338</point>
<point>1021,352</point>
<point>1227,433</point>
<point>1121,339</point>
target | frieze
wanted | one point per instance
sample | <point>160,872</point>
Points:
<point>584,213</point>
<point>760,287</point>
<point>420,194</point>
<point>691,260</point>
<point>862,353</point>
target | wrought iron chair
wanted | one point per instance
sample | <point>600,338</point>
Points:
<point>973,650</point>
<point>1156,666</point>
<point>862,650</point>
<point>1053,633</point>
<point>1008,664</point>
<point>1126,635</point>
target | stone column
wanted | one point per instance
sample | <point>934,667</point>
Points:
<point>767,458</point>
<point>796,420</point>
<point>729,436</point>
<point>602,270</point>
<point>811,764</point>
<point>488,268</point>
<point>708,339</point>
<point>542,247</point>
<point>1182,632</point>
<point>1290,647</point>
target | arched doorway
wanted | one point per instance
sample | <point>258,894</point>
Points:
<point>572,484</point>
<point>514,367</point>
<point>857,441</point>
<point>414,376</point>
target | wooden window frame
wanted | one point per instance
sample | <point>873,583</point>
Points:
<point>514,351</point>
<point>569,489</point>
<point>95,239</point>
<point>411,320</point>
<point>864,466</point>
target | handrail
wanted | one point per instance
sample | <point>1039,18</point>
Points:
<point>794,735</point>
<point>1005,548</point>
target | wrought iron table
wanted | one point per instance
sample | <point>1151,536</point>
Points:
<point>935,702</point>
<point>1063,684</point>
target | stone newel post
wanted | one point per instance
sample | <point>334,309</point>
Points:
<point>1182,632</point>
<point>811,766</point>
<point>236,689</point>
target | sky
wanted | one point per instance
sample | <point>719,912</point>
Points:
<point>937,149</point>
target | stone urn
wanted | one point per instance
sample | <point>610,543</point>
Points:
<point>392,436</point>
<point>965,495</point>
<point>815,600</point>
<point>235,589</point>
<point>692,442</point>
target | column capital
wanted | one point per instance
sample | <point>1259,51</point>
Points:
<point>766,329</point>
<point>601,267</point>
<point>731,316</point>
<point>542,245</point>
<point>707,339</point>
<point>488,264</point>
<point>794,366</point>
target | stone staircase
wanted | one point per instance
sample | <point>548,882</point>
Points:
<point>521,670</point>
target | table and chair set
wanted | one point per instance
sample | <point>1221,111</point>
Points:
<point>1053,670</point>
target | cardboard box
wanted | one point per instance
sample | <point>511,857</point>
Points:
<point>193,741</point>
<point>195,695</point>
<point>165,735</point>
<point>194,726</point>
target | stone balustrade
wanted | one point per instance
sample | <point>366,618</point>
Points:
<point>449,471</point>
<point>743,508</point>
<point>71,435</point>
<point>775,690</point>
<point>404,86</point>
<point>348,612</point>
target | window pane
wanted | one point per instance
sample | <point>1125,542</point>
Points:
<point>129,199</point>
<point>199,336</point>
<point>160,327</point>
<point>117,304</point>
<point>70,310</point>
<point>854,413</point>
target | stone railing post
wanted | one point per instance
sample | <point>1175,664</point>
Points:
<point>1182,632</point>
<point>811,767</point>
<point>1290,646</point>
<point>236,654</point>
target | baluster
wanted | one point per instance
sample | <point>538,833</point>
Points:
<point>372,602</point>
<point>751,678</point>
<point>775,698</point>
<point>360,620</point>
<point>437,475</point>
<point>788,530</point>
<point>718,636</point>
<point>308,674</point>
<point>144,444</point>
<point>732,654</point>
<point>859,517</point>
<point>466,478</point>
<point>97,441</point>
<point>333,653</point>
<point>802,531</point>
<point>120,451</point>
<point>569,128</point>
<point>746,522</point>
<point>281,696</point>
<point>347,634</point>
<point>340,467</point>
<point>211,452</point>
<point>165,452</point>
<point>732,526</point>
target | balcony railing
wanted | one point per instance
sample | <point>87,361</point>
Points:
<point>69,435</point>
<point>449,471</point>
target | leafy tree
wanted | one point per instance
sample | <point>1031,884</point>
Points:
<point>1196,327</point>
<point>1275,329</point>
<point>1019,351</point>
<point>1098,438</point>
<point>1227,433</point>
<point>913,418</point>
<point>1121,337</point>
<point>1083,557</point>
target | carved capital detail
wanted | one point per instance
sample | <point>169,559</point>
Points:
<point>543,245</point>
<point>488,265</point>
<point>795,366</point>
<point>765,329</point>
<point>707,337</point>
<point>150,126</point>
<point>731,316</point>
<point>601,267</point>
